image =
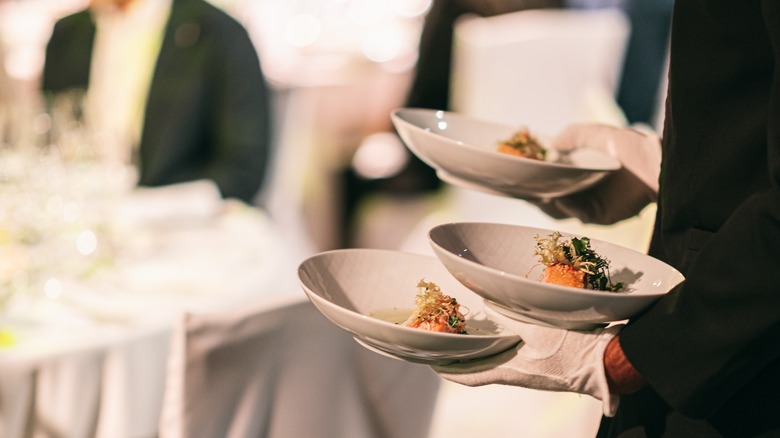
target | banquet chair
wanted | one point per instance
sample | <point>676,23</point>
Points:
<point>283,370</point>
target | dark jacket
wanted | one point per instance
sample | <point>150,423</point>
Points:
<point>208,110</point>
<point>711,349</point>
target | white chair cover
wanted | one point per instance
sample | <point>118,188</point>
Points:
<point>92,392</point>
<point>57,399</point>
<point>541,68</point>
<point>283,371</point>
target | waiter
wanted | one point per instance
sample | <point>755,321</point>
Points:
<point>172,86</point>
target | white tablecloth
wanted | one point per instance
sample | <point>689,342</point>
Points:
<point>86,355</point>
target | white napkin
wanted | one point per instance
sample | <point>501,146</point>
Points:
<point>185,202</point>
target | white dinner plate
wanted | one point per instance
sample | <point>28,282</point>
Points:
<point>466,149</point>
<point>354,287</point>
<point>497,262</point>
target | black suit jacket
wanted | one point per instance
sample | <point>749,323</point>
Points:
<point>710,350</point>
<point>208,109</point>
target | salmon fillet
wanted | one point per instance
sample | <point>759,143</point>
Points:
<point>564,275</point>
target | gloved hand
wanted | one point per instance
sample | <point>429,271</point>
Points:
<point>548,359</point>
<point>623,193</point>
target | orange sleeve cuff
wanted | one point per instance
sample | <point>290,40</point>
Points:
<point>622,377</point>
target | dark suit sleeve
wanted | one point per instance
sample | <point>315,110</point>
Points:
<point>243,119</point>
<point>68,54</point>
<point>710,344</point>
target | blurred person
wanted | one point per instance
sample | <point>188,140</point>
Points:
<point>173,86</point>
<point>703,360</point>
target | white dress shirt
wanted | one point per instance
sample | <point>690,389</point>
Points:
<point>127,44</point>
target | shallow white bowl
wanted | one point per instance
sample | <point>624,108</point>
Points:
<point>348,285</point>
<point>497,262</point>
<point>464,149</point>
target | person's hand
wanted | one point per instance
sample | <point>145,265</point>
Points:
<point>548,359</point>
<point>637,149</point>
<point>623,193</point>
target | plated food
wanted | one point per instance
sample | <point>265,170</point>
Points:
<point>463,151</point>
<point>372,292</point>
<point>523,144</point>
<point>572,262</point>
<point>435,311</point>
<point>500,263</point>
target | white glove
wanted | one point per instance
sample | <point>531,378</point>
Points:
<point>638,149</point>
<point>547,359</point>
<point>625,192</point>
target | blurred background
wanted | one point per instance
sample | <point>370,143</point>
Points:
<point>337,174</point>
<point>338,67</point>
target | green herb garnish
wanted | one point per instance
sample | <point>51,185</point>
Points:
<point>578,254</point>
